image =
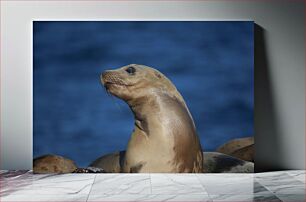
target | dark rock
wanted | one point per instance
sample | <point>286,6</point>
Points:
<point>89,170</point>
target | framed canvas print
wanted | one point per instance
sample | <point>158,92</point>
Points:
<point>143,96</point>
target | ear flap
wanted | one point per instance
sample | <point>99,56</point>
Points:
<point>157,75</point>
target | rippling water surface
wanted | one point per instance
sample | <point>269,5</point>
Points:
<point>211,64</point>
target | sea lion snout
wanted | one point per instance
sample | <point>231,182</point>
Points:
<point>105,77</point>
<point>101,78</point>
<point>115,83</point>
<point>111,77</point>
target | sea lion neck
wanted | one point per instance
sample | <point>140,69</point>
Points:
<point>154,100</point>
<point>142,110</point>
<point>151,109</point>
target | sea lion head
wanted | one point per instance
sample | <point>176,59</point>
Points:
<point>134,81</point>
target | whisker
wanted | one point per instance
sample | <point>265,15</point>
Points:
<point>116,80</point>
<point>114,100</point>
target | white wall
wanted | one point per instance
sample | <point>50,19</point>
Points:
<point>279,67</point>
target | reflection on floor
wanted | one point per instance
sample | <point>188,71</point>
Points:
<point>272,186</point>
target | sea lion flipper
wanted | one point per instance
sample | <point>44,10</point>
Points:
<point>136,168</point>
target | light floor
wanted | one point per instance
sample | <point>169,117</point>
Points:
<point>272,186</point>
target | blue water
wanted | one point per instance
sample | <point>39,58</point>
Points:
<point>211,64</point>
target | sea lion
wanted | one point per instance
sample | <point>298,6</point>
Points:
<point>53,164</point>
<point>214,162</point>
<point>242,148</point>
<point>164,138</point>
<point>111,163</point>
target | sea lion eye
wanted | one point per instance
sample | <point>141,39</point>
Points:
<point>131,70</point>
